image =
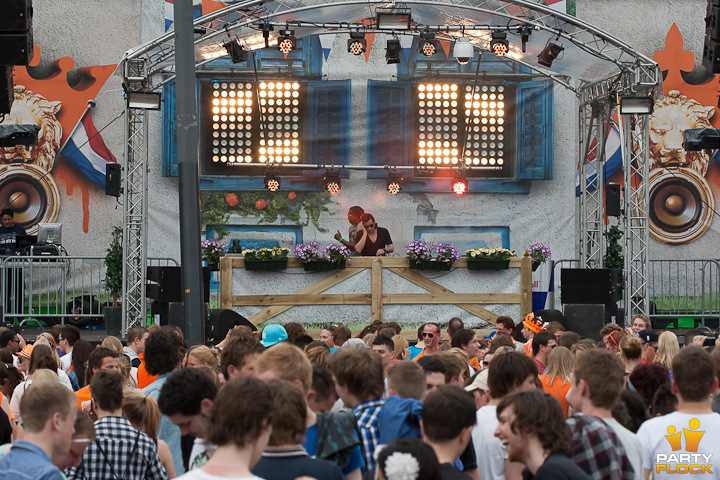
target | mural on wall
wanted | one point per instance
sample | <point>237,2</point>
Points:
<point>70,151</point>
<point>217,207</point>
<point>683,185</point>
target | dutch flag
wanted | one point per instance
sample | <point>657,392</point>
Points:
<point>87,151</point>
<point>169,14</point>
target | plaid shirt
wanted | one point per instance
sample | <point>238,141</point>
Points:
<point>122,459</point>
<point>366,415</point>
<point>597,450</point>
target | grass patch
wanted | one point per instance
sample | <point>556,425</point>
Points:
<point>687,304</point>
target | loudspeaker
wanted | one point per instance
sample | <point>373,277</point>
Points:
<point>612,200</point>
<point>222,320</point>
<point>112,179</point>
<point>711,48</point>
<point>31,193</point>
<point>168,284</point>
<point>16,48</point>
<point>681,205</point>
<point>17,15</point>
<point>7,93</point>
<point>551,315</point>
<point>171,313</point>
<point>586,320</point>
<point>590,285</point>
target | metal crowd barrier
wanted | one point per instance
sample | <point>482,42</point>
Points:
<point>48,290</point>
<point>676,289</point>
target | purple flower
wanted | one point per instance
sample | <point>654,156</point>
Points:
<point>446,253</point>
<point>538,253</point>
<point>308,252</point>
<point>336,252</point>
<point>418,250</point>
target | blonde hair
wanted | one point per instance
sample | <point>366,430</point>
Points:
<point>319,356</point>
<point>560,365</point>
<point>400,345</point>
<point>44,375</point>
<point>369,339</point>
<point>113,343</point>
<point>124,368</point>
<point>668,348</point>
<point>142,412</point>
<point>46,339</point>
<point>205,355</point>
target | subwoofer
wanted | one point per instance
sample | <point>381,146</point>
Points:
<point>32,194</point>
<point>681,205</point>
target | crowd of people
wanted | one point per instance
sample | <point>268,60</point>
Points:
<point>279,405</point>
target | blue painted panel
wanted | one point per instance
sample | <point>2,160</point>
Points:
<point>535,130</point>
<point>466,237</point>
<point>296,230</point>
<point>388,131</point>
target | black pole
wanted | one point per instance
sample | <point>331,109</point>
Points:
<point>188,175</point>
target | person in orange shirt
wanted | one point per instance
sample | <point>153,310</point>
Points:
<point>100,359</point>
<point>431,337</point>
<point>556,380</point>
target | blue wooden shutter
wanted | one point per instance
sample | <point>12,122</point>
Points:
<point>169,149</point>
<point>328,127</point>
<point>535,130</point>
<point>388,125</point>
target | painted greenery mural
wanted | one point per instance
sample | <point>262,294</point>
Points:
<point>300,208</point>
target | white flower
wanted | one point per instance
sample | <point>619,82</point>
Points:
<point>401,466</point>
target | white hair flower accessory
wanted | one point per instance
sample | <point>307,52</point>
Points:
<point>401,466</point>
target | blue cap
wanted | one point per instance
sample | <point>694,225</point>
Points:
<point>273,334</point>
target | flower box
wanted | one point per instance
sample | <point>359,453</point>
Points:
<point>488,264</point>
<point>266,265</point>
<point>323,266</point>
<point>431,265</point>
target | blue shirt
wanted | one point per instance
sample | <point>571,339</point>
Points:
<point>366,415</point>
<point>28,461</point>
<point>167,430</point>
<point>355,461</point>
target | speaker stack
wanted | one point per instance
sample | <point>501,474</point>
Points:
<point>711,48</point>
<point>589,298</point>
<point>16,35</point>
<point>165,288</point>
<point>681,205</point>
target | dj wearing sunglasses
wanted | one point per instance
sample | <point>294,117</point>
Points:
<point>374,241</point>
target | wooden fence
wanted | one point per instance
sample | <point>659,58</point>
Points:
<point>436,294</point>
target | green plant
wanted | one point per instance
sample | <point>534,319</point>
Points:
<point>489,254</point>
<point>614,257</point>
<point>276,253</point>
<point>114,265</point>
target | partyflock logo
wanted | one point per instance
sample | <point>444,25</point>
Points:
<point>690,461</point>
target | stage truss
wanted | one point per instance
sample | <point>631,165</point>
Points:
<point>148,67</point>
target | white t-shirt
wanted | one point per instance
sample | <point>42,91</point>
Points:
<point>200,453</point>
<point>198,474</point>
<point>632,445</point>
<point>66,361</point>
<point>489,450</point>
<point>679,441</point>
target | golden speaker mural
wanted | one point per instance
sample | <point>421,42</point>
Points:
<point>26,185</point>
<point>681,201</point>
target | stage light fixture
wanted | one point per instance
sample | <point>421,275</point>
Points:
<point>235,50</point>
<point>394,183</point>
<point>463,50</point>
<point>426,45</point>
<point>356,44</point>
<point>332,182</point>
<point>144,100</point>
<point>392,51</point>
<point>549,54</point>
<point>499,44</point>
<point>272,181</point>
<point>286,41</point>
<point>459,183</point>
<point>524,37</point>
<point>637,105</point>
<point>392,18</point>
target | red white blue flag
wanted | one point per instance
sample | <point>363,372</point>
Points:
<point>169,14</point>
<point>86,151</point>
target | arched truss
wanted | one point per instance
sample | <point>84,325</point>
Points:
<point>596,66</point>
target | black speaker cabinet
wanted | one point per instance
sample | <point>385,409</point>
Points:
<point>7,93</point>
<point>586,319</point>
<point>112,179</point>
<point>222,320</point>
<point>591,285</point>
<point>171,313</point>
<point>612,200</point>
<point>16,48</point>
<point>17,16</point>
<point>165,284</point>
<point>711,48</point>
